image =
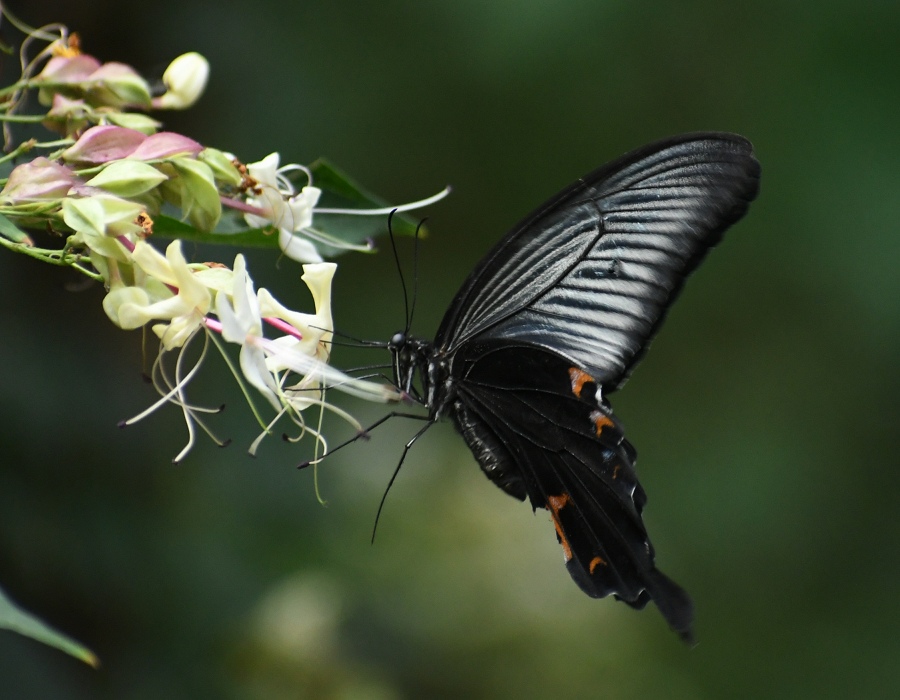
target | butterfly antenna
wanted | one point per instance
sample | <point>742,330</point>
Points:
<point>355,341</point>
<point>397,471</point>
<point>415,295</point>
<point>399,267</point>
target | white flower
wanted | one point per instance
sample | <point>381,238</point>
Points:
<point>314,329</point>
<point>311,336</point>
<point>185,310</point>
<point>299,217</point>
<point>290,212</point>
<point>279,204</point>
<point>270,193</point>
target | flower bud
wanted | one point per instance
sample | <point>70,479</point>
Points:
<point>164,145</point>
<point>38,179</point>
<point>100,144</point>
<point>185,80</point>
<point>132,120</point>
<point>222,166</point>
<point>64,72</point>
<point>127,178</point>
<point>98,220</point>
<point>117,85</point>
<point>66,116</point>
<point>125,306</point>
<point>200,199</point>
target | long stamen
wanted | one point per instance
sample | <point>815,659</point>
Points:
<point>188,416</point>
<point>387,210</point>
<point>283,326</point>
<point>267,430</point>
<point>296,166</point>
<point>306,365</point>
<point>242,206</point>
<point>321,237</point>
<point>169,391</point>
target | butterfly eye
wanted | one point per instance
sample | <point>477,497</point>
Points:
<point>398,340</point>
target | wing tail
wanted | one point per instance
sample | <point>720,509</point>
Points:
<point>673,602</point>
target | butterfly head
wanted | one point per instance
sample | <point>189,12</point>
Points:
<point>411,358</point>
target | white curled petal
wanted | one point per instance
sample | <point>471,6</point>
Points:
<point>275,209</point>
<point>193,292</point>
<point>125,306</point>
<point>297,248</point>
<point>301,207</point>
<point>265,172</point>
<point>269,306</point>
<point>216,279</point>
<point>244,298</point>
<point>175,334</point>
<point>257,374</point>
<point>232,329</point>
<point>154,263</point>
<point>318,277</point>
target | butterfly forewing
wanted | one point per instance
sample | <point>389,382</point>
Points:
<point>591,273</point>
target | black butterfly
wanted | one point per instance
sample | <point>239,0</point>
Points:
<point>553,320</point>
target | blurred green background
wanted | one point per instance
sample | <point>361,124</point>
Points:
<point>765,415</point>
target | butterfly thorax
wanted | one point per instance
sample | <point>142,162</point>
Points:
<point>420,372</point>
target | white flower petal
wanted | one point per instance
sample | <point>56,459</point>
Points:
<point>253,367</point>
<point>265,172</point>
<point>301,208</point>
<point>297,248</point>
<point>124,306</point>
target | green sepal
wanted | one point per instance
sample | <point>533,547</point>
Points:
<point>9,230</point>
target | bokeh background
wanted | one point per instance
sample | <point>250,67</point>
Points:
<point>765,415</point>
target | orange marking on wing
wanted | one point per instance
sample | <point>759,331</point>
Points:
<point>601,420</point>
<point>595,562</point>
<point>616,469</point>
<point>555,504</point>
<point>579,379</point>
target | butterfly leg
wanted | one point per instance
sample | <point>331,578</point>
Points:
<point>406,447</point>
<point>364,433</point>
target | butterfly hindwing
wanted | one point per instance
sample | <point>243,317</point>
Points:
<point>536,425</point>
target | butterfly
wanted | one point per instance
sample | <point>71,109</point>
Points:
<point>553,320</point>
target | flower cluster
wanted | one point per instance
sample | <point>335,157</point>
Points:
<point>180,299</point>
<point>112,177</point>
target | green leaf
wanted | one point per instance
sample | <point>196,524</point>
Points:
<point>169,227</point>
<point>9,230</point>
<point>14,618</point>
<point>339,190</point>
